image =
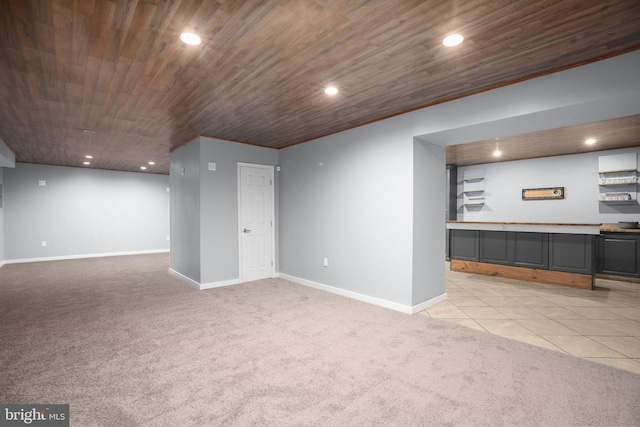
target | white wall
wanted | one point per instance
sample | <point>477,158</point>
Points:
<point>83,212</point>
<point>578,174</point>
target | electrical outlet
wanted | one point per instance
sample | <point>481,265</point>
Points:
<point>326,262</point>
<point>42,183</point>
<point>44,243</point>
<point>212,166</point>
<point>168,238</point>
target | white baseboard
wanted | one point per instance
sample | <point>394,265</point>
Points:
<point>184,278</point>
<point>428,303</point>
<point>1,263</point>
<point>366,298</point>
<point>219,284</point>
<point>202,286</point>
<point>67,257</point>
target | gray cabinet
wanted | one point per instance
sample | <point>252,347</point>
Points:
<point>619,254</point>
<point>520,249</point>
<point>494,247</point>
<point>531,250</point>
<point>572,253</point>
<point>464,245</point>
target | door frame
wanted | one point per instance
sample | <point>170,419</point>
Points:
<point>270,168</point>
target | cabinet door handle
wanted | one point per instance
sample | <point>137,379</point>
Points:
<point>246,231</point>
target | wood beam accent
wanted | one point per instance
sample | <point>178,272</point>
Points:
<point>618,278</point>
<point>573,280</point>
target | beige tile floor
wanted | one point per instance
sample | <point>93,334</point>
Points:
<point>602,325</point>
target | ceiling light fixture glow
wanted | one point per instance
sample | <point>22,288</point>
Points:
<point>152,163</point>
<point>497,153</point>
<point>91,131</point>
<point>453,40</point>
<point>190,38</point>
<point>86,163</point>
<point>88,157</point>
<point>331,90</point>
<point>143,168</point>
<point>590,141</point>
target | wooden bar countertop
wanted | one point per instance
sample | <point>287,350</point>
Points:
<point>531,227</point>
<point>615,228</point>
<point>604,228</point>
<point>554,224</point>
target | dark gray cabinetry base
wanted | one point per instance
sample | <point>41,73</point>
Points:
<point>494,247</point>
<point>619,254</point>
<point>531,250</point>
<point>464,244</point>
<point>571,253</point>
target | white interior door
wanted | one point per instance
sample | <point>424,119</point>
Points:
<point>256,233</point>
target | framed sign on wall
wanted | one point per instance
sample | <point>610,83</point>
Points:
<point>543,193</point>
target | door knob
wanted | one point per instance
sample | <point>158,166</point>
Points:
<point>246,231</point>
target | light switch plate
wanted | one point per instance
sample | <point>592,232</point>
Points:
<point>42,183</point>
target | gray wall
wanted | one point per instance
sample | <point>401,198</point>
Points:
<point>598,91</point>
<point>363,198</point>
<point>204,207</point>
<point>7,160</point>
<point>577,173</point>
<point>219,204</point>
<point>83,212</point>
<point>428,221</point>
<point>348,197</point>
<point>1,218</point>
<point>185,210</point>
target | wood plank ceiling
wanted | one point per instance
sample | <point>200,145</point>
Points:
<point>119,68</point>
<point>609,134</point>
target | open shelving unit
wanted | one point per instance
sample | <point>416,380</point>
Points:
<point>473,187</point>
<point>618,179</point>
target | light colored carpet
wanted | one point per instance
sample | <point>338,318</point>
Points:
<point>126,344</point>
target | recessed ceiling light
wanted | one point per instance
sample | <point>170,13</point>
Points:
<point>331,90</point>
<point>190,38</point>
<point>143,167</point>
<point>152,163</point>
<point>452,40</point>
<point>590,141</point>
<point>88,157</point>
<point>86,163</point>
<point>497,153</point>
<point>88,131</point>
